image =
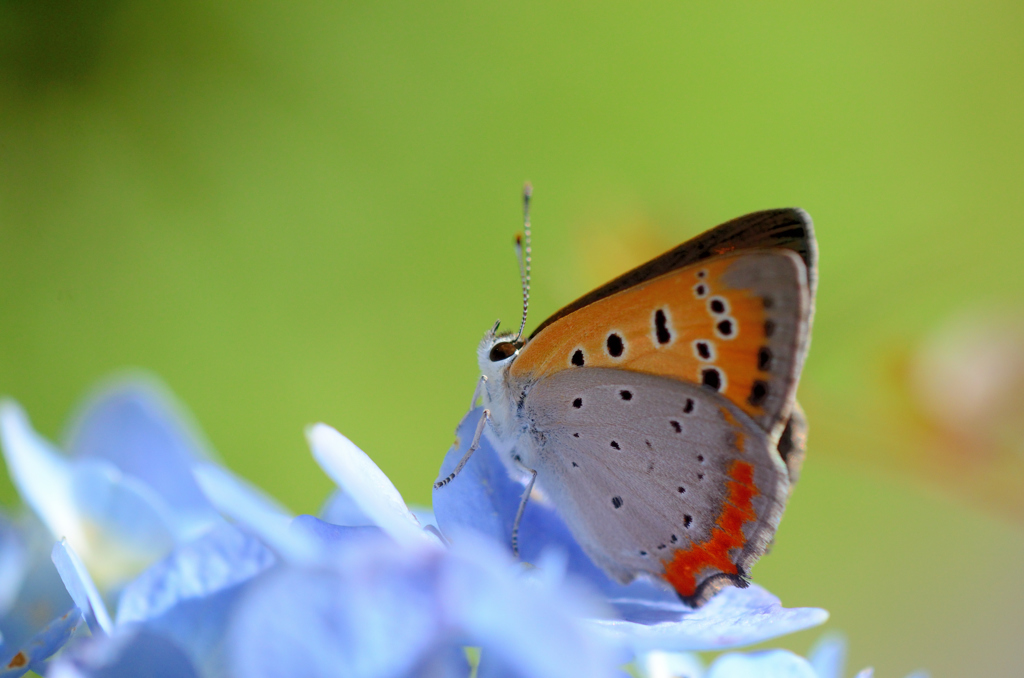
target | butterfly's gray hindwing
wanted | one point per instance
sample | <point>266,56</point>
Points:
<point>639,466</point>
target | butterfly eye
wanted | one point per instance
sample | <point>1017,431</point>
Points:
<point>502,350</point>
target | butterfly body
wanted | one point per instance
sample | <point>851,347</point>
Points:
<point>658,412</point>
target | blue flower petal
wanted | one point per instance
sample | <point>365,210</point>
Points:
<point>253,510</point>
<point>341,509</point>
<point>446,662</point>
<point>220,559</point>
<point>733,618</point>
<point>188,597</point>
<point>770,664</point>
<point>424,515</point>
<point>136,426</point>
<point>132,524</point>
<point>14,562</point>
<point>374,614</point>
<point>493,665</point>
<point>41,595</point>
<point>828,656</point>
<point>81,587</point>
<point>328,535</point>
<point>484,498</point>
<point>532,627</point>
<point>129,654</point>
<point>42,646</point>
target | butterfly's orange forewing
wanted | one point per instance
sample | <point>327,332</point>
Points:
<point>689,324</point>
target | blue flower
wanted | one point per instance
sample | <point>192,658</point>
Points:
<point>123,495</point>
<point>648,616</point>
<point>126,499</point>
<point>184,602</point>
<point>389,598</point>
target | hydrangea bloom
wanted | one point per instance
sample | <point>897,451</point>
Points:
<point>123,495</point>
<point>213,578</point>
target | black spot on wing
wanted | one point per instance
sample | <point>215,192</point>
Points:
<point>758,392</point>
<point>661,327</point>
<point>577,358</point>
<point>615,345</point>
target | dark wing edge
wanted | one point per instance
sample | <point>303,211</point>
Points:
<point>788,228</point>
<point>792,445</point>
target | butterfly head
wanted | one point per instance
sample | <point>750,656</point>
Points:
<point>497,351</point>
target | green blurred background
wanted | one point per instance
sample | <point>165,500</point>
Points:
<point>304,212</point>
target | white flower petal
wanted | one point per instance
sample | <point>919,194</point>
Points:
<point>671,665</point>
<point>42,474</point>
<point>733,618</point>
<point>371,490</point>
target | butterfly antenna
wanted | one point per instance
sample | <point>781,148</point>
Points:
<point>524,256</point>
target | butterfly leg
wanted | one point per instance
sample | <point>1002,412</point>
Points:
<point>522,507</point>
<point>469,453</point>
<point>476,391</point>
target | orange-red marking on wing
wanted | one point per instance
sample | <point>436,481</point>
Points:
<point>687,564</point>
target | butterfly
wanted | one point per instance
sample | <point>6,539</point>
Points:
<point>658,412</point>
